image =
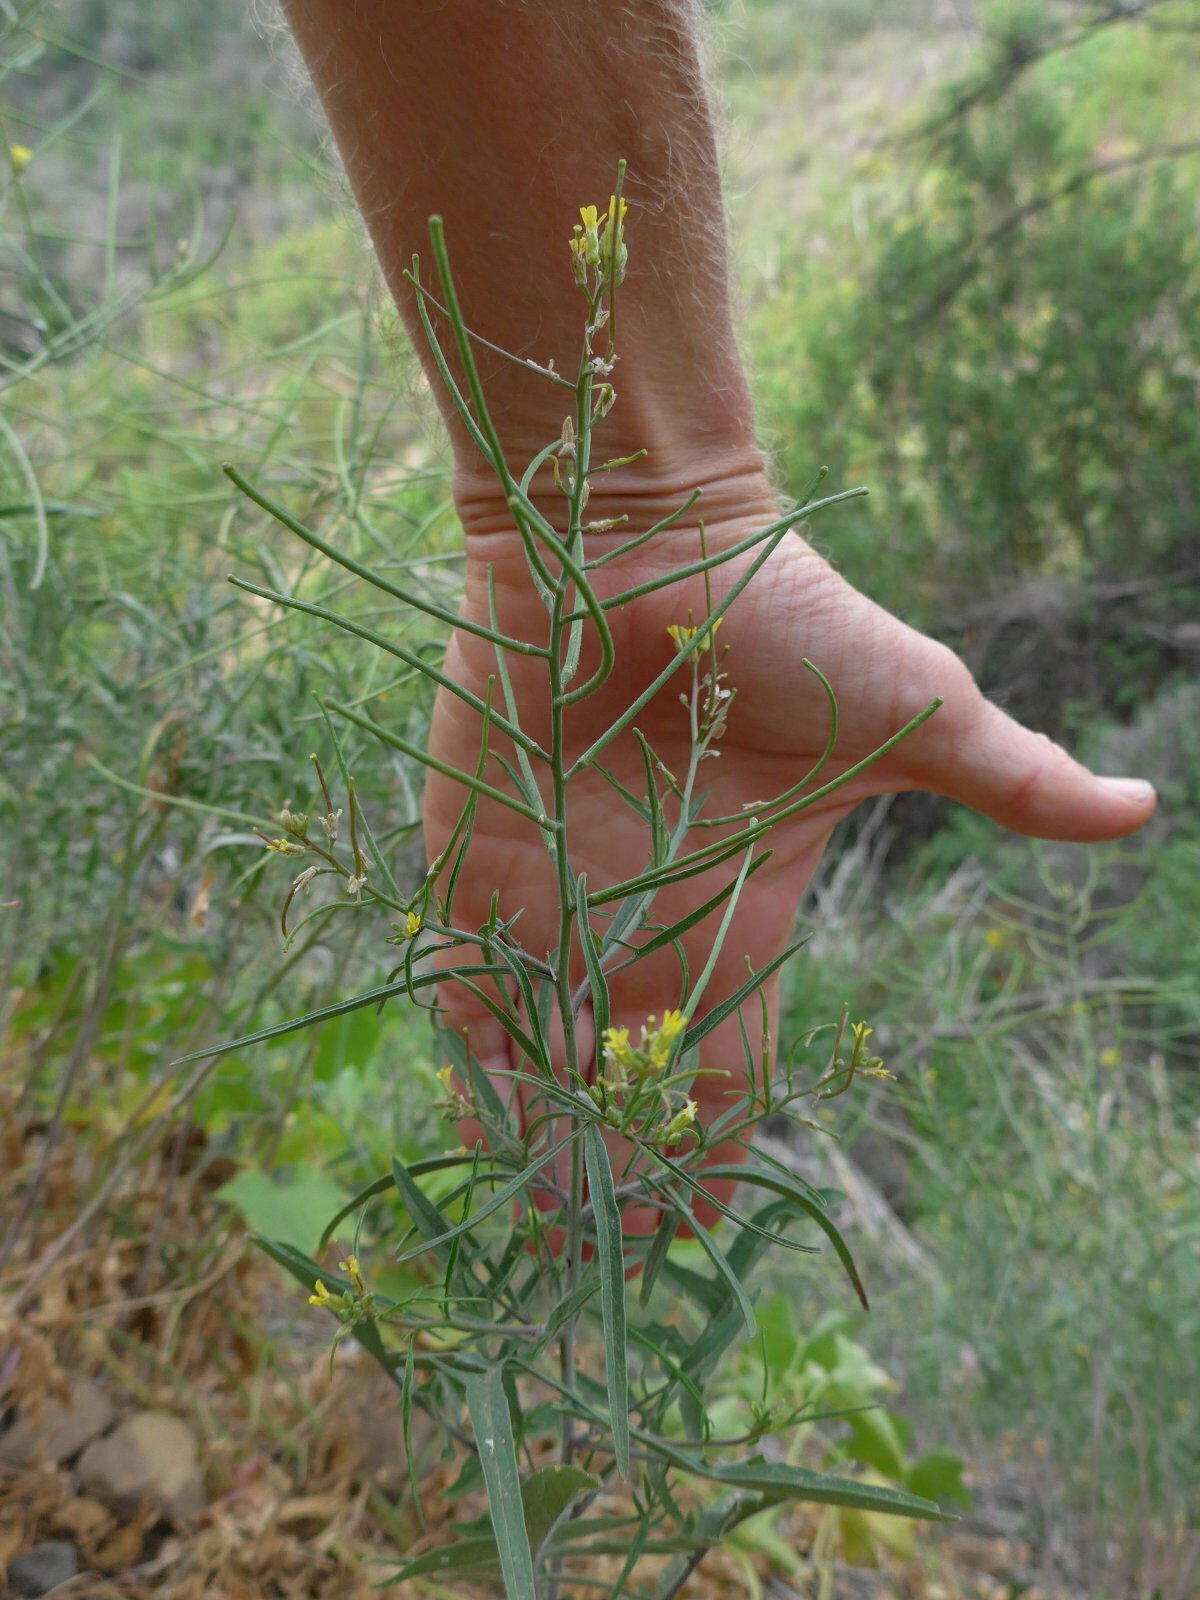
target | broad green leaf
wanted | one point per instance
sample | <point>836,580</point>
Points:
<point>491,1424</point>
<point>292,1209</point>
<point>611,1263</point>
<point>547,1493</point>
<point>937,1475</point>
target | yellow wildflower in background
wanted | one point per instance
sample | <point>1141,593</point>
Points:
<point>19,156</point>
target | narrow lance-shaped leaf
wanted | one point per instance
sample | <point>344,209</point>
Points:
<point>728,1006</point>
<point>376,579</point>
<point>597,982</point>
<point>611,1264</point>
<point>713,1252</point>
<point>381,642</point>
<point>501,1197</point>
<point>467,780</point>
<point>430,1220</point>
<point>777,1183</point>
<point>385,1182</point>
<point>676,930</point>
<point>337,1008</point>
<point>491,1424</point>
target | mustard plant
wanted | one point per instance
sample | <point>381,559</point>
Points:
<point>579,1351</point>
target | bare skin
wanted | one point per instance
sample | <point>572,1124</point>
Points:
<point>504,118</point>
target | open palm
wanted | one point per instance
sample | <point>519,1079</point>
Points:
<point>796,607</point>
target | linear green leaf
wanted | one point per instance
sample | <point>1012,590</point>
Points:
<point>492,1427</point>
<point>369,725</point>
<point>514,1186</point>
<point>597,982</point>
<point>382,1184</point>
<point>376,579</point>
<point>430,1220</point>
<point>338,1008</point>
<point>728,1006</point>
<point>712,1250</point>
<point>409,657</point>
<point>677,929</point>
<point>611,1261</point>
<point>777,1183</point>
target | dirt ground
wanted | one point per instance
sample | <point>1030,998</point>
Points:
<point>298,1485</point>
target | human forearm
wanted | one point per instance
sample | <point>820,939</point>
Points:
<point>504,118</point>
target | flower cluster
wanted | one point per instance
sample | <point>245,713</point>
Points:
<point>297,840</point>
<point>636,1091</point>
<point>353,1305</point>
<point>599,243</point>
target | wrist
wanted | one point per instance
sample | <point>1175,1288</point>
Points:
<point>732,484</point>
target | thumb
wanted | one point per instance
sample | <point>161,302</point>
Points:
<point>973,752</point>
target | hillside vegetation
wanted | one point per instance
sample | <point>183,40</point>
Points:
<point>969,277</point>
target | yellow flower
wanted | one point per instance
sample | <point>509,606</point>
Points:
<point>19,156</point>
<point>282,847</point>
<point>590,217</point>
<point>612,205</point>
<point>684,634</point>
<point>994,939</point>
<point>680,1122</point>
<point>443,1076</point>
<point>411,926</point>
<point>673,1022</point>
<point>616,1044</point>
<point>350,1268</point>
<point>321,1295</point>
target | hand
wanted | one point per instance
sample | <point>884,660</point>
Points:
<point>883,673</point>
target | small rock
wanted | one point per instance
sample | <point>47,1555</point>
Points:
<point>152,1457</point>
<point>43,1568</point>
<point>60,1429</point>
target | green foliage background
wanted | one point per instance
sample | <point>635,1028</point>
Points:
<point>969,276</point>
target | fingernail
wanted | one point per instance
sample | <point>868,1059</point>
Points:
<point>1135,790</point>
